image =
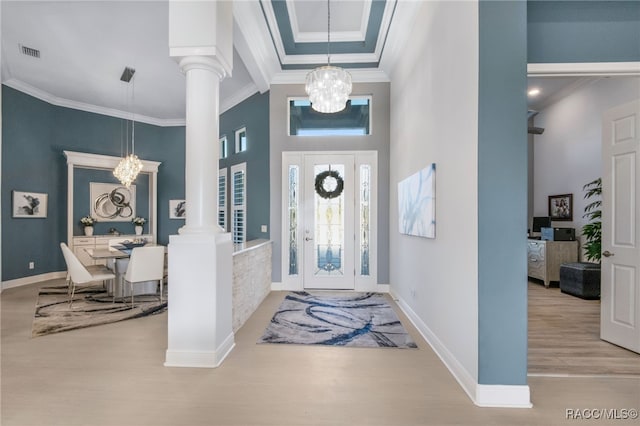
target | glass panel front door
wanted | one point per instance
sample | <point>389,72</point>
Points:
<point>329,222</point>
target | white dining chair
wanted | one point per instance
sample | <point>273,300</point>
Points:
<point>145,264</point>
<point>77,273</point>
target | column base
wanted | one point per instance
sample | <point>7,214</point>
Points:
<point>199,329</point>
<point>210,359</point>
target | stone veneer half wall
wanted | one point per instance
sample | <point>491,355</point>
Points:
<point>251,279</point>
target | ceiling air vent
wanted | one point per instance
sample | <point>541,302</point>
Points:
<point>29,51</point>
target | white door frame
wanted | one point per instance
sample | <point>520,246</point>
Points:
<point>293,280</point>
<point>602,69</point>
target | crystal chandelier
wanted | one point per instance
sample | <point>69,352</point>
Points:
<point>328,87</point>
<point>129,167</point>
<point>127,170</point>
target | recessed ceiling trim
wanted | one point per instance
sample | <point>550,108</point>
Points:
<point>272,24</point>
<point>368,75</point>
<point>253,43</point>
<point>352,58</point>
<point>337,36</point>
<point>344,59</point>
<point>112,112</point>
<point>583,69</point>
<point>321,37</point>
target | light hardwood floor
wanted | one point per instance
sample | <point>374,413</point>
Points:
<point>113,375</point>
<point>564,337</point>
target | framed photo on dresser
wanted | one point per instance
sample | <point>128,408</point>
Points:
<point>561,207</point>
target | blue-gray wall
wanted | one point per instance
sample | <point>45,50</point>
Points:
<point>502,194</point>
<point>583,31</point>
<point>34,134</point>
<point>253,114</point>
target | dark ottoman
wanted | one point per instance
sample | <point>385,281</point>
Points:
<point>580,279</point>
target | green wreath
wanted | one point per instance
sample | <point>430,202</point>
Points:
<point>320,182</point>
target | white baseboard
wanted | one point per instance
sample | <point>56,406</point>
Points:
<point>32,279</point>
<point>380,288</point>
<point>503,396</point>
<point>482,395</point>
<point>200,359</point>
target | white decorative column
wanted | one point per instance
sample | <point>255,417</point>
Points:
<point>200,258</point>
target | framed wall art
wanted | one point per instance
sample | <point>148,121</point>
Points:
<point>29,205</point>
<point>561,207</point>
<point>417,203</point>
<point>177,209</point>
<point>111,202</point>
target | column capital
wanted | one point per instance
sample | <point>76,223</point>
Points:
<point>206,63</point>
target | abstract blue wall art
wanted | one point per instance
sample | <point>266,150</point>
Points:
<point>417,203</point>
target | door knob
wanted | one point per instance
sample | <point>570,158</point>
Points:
<point>308,238</point>
<point>607,253</point>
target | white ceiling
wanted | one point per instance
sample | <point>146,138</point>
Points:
<point>85,45</point>
<point>552,89</point>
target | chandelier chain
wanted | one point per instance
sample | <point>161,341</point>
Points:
<point>328,32</point>
<point>133,116</point>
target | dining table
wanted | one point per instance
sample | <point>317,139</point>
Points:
<point>116,259</point>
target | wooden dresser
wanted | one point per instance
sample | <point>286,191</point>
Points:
<point>545,257</point>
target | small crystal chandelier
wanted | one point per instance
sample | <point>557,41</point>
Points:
<point>328,87</point>
<point>129,167</point>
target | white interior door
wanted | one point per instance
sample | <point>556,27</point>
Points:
<point>620,280</point>
<point>328,229</point>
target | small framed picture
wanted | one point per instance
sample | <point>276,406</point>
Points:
<point>31,205</point>
<point>177,209</point>
<point>561,207</point>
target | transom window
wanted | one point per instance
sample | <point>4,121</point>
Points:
<point>353,120</point>
<point>241,140</point>
<point>224,147</point>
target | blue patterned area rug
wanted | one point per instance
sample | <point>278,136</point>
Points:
<point>337,319</point>
<point>91,306</point>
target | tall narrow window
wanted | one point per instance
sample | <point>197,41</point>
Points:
<point>224,147</point>
<point>239,194</point>
<point>222,198</point>
<point>241,140</point>
<point>293,219</point>
<point>365,217</point>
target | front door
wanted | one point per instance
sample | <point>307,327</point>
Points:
<point>328,228</point>
<point>620,279</point>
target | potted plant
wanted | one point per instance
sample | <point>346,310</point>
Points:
<point>87,222</point>
<point>592,231</point>
<point>139,223</point>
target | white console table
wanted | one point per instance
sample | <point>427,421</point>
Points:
<point>79,244</point>
<point>545,257</point>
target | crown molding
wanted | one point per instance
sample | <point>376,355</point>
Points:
<point>358,75</point>
<point>239,96</point>
<point>67,103</point>
<point>584,69</point>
